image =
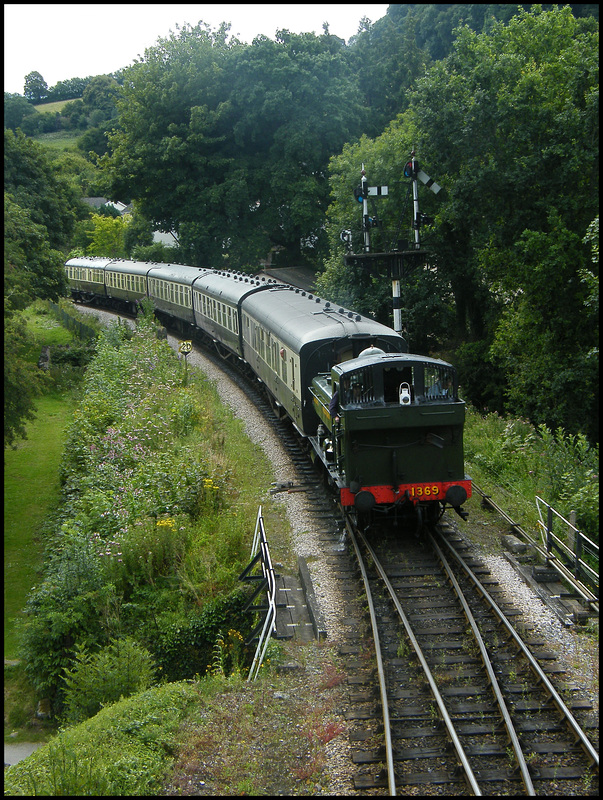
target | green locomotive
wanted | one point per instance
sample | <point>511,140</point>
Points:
<point>391,433</point>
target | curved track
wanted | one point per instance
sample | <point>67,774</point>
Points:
<point>491,718</point>
<point>465,704</point>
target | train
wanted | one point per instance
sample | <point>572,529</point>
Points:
<point>386,424</point>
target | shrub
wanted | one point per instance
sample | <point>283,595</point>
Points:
<point>185,648</point>
<point>529,461</point>
<point>124,750</point>
<point>118,670</point>
<point>67,607</point>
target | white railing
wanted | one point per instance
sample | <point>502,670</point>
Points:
<point>572,547</point>
<point>267,581</point>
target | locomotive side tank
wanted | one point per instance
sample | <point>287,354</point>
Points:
<point>391,432</point>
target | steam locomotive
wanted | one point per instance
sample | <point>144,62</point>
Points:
<point>387,425</point>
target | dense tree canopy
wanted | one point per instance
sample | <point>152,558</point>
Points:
<point>39,213</point>
<point>252,152</point>
<point>230,144</point>
<point>508,125</point>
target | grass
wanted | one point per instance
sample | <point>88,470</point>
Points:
<point>31,486</point>
<point>31,490</point>
<point>59,140</point>
<point>171,739</point>
<point>123,750</point>
<point>57,105</point>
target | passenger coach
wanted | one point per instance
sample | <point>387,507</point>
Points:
<point>126,281</point>
<point>86,277</point>
<point>170,289</point>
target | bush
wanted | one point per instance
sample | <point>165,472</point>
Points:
<point>185,648</point>
<point>69,606</point>
<point>116,671</point>
<point>124,750</point>
<point>530,461</point>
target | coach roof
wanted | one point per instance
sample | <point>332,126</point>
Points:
<point>298,318</point>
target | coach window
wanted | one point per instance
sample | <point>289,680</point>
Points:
<point>283,355</point>
<point>262,344</point>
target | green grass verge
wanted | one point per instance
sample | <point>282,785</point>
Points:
<point>31,489</point>
<point>31,486</point>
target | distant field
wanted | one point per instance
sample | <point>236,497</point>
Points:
<point>59,140</point>
<point>50,108</point>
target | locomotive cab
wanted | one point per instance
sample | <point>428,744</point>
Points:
<point>391,431</point>
<point>378,379</point>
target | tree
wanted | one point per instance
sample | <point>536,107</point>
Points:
<point>108,236</point>
<point>16,109</point>
<point>510,115</point>
<point>295,102</point>
<point>39,211</point>
<point>32,267</point>
<point>22,379</point>
<point>502,123</point>
<point>229,144</point>
<point>101,93</point>
<point>36,88</point>
<point>70,89</point>
<point>32,181</point>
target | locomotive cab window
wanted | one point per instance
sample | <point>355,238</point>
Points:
<point>399,384</point>
<point>358,387</point>
<point>439,382</point>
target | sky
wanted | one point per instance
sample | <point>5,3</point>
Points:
<point>63,41</point>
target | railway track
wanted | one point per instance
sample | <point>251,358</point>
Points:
<point>448,731</point>
<point>465,704</point>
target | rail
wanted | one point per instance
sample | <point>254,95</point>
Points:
<point>535,667</point>
<point>389,750</point>
<point>260,554</point>
<point>494,684</point>
<point>448,722</point>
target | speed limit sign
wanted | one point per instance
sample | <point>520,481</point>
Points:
<point>185,347</point>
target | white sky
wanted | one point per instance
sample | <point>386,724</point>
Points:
<point>62,41</point>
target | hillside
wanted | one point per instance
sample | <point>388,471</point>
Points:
<point>51,108</point>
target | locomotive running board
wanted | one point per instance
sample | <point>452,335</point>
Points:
<point>330,467</point>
